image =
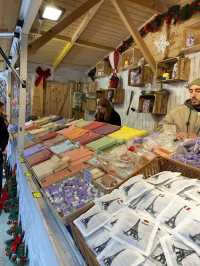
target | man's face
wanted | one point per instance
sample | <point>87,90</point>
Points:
<point>194,91</point>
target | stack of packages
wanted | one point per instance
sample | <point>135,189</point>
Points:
<point>188,152</point>
<point>15,249</point>
<point>65,168</point>
<point>147,222</point>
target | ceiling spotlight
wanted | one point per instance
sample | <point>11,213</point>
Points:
<point>52,13</point>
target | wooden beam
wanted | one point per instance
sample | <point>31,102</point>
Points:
<point>121,9</point>
<point>84,23</point>
<point>60,26</point>
<point>81,43</point>
<point>154,5</point>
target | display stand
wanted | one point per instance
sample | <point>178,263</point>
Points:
<point>49,242</point>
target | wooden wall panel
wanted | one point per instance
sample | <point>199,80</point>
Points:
<point>58,98</point>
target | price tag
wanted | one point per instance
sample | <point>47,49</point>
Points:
<point>28,174</point>
<point>21,159</point>
<point>37,194</point>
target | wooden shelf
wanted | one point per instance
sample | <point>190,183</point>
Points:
<point>172,80</point>
<point>193,49</point>
<point>154,103</point>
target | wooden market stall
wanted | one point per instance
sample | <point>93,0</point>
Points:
<point>140,55</point>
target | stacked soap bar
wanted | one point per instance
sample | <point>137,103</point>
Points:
<point>71,194</point>
<point>106,129</point>
<point>63,147</point>
<point>33,149</point>
<point>39,157</point>
<point>102,144</point>
<point>126,133</point>
<point>87,138</point>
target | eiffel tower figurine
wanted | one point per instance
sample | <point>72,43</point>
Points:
<point>150,208</point>
<point>172,221</point>
<point>160,258</point>
<point>133,231</point>
<point>181,253</point>
<point>195,238</point>
<point>134,203</point>
<point>128,188</point>
<point>108,261</point>
<point>106,204</point>
<point>101,247</point>
<point>86,220</point>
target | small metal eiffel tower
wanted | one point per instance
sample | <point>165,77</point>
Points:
<point>133,231</point>
<point>86,220</point>
<point>134,203</point>
<point>101,247</point>
<point>160,258</point>
<point>195,238</point>
<point>181,253</point>
<point>150,208</point>
<point>106,204</point>
<point>172,221</point>
<point>128,188</point>
<point>108,261</point>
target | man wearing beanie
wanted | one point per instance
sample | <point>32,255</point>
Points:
<point>186,117</point>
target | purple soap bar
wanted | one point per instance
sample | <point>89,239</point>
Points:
<point>33,149</point>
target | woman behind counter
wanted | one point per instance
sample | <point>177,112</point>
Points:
<point>106,113</point>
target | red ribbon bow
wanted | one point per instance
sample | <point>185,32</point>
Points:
<point>16,243</point>
<point>42,75</point>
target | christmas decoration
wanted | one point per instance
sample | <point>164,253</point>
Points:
<point>42,75</point>
<point>161,44</point>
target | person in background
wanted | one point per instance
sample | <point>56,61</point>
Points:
<point>186,117</point>
<point>106,113</point>
<point>4,136</point>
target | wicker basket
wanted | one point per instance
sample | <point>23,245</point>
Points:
<point>156,165</point>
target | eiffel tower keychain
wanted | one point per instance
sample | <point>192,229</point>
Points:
<point>128,188</point>
<point>86,220</point>
<point>109,260</point>
<point>150,208</point>
<point>133,231</point>
<point>171,222</point>
<point>195,239</point>
<point>133,205</point>
<point>106,204</point>
<point>101,247</point>
<point>160,258</point>
<point>181,253</point>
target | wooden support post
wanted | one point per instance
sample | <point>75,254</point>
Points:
<point>8,96</point>
<point>22,94</point>
<point>60,26</point>
<point>121,9</point>
<point>91,13</point>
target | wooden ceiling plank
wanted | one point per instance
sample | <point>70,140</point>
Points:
<point>60,26</point>
<point>83,25</point>
<point>82,43</point>
<point>154,5</point>
<point>121,9</point>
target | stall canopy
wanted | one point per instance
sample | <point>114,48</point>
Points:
<point>87,31</point>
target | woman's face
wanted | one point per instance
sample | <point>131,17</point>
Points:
<point>102,109</point>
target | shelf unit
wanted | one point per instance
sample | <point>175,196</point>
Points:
<point>178,69</point>
<point>154,102</point>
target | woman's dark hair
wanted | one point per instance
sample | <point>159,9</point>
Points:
<point>1,104</point>
<point>107,105</point>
